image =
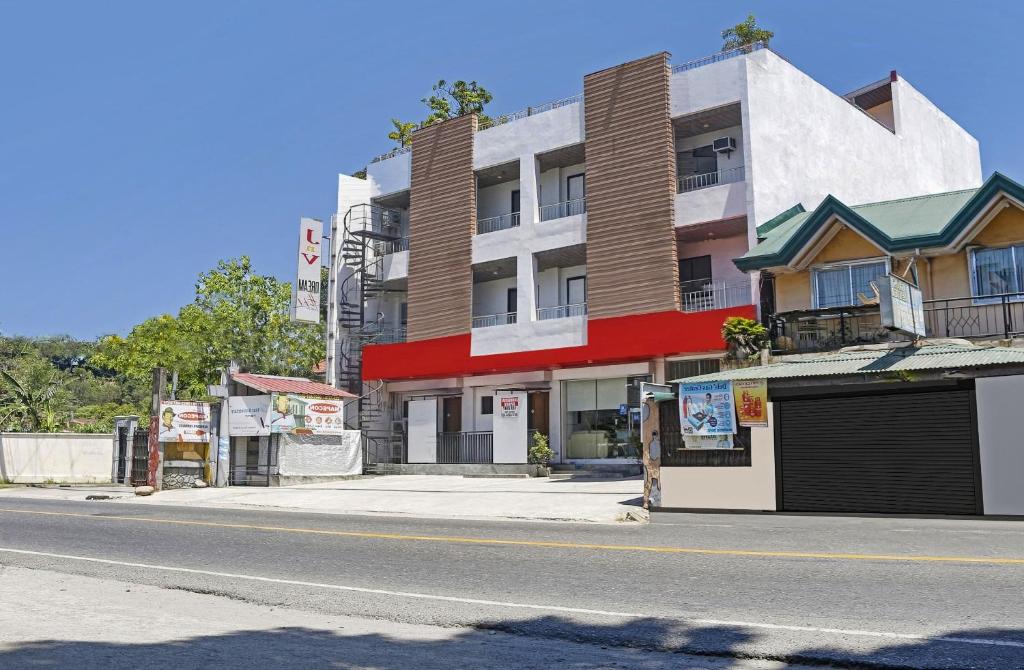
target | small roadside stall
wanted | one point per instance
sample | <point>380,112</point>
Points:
<point>184,435</point>
<point>287,430</point>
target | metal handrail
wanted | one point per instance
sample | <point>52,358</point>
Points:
<point>991,315</point>
<point>502,119</point>
<point>495,223</point>
<point>562,209</point>
<point>718,57</point>
<point>394,246</point>
<point>505,319</point>
<point>708,179</point>
<point>561,311</point>
<point>391,154</point>
<point>476,446</point>
<point>704,296</point>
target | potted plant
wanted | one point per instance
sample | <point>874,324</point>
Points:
<point>540,454</point>
<point>744,337</point>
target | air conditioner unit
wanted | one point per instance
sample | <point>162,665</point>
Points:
<point>724,145</point>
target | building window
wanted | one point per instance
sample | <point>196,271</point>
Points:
<point>487,404</point>
<point>702,160</point>
<point>598,423</point>
<point>576,290</point>
<point>997,271</point>
<point>691,368</point>
<point>575,187</point>
<point>848,284</point>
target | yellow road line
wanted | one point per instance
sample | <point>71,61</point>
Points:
<point>542,543</point>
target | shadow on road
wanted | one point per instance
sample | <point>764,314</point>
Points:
<point>536,643</point>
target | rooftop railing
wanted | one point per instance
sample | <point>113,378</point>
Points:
<point>705,296</point>
<point>502,119</point>
<point>561,209</point>
<point>495,223</point>
<point>719,57</point>
<point>696,182</point>
<point>561,311</point>
<point>506,319</point>
<point>391,154</point>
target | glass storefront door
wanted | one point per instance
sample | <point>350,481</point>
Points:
<point>598,421</point>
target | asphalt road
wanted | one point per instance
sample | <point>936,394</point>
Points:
<point>845,592</point>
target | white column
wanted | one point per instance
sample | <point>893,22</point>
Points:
<point>423,431</point>
<point>510,422</point>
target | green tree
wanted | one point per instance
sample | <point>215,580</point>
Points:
<point>744,337</point>
<point>237,315</point>
<point>457,99</point>
<point>33,395</point>
<point>402,132</point>
<point>745,34</point>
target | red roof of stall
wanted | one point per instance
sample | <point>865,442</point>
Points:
<point>301,385</point>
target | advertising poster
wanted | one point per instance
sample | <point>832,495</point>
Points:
<point>182,421</point>
<point>299,415</point>
<point>306,293</point>
<point>706,409</point>
<point>751,398</point>
<point>247,415</point>
<point>509,405</point>
<point>708,441</point>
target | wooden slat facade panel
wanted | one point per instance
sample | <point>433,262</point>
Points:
<point>442,218</point>
<point>632,266</point>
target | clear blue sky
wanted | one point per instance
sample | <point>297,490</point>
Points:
<point>142,141</point>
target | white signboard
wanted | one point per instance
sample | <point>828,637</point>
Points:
<point>299,415</point>
<point>247,415</point>
<point>509,405</point>
<point>182,421</point>
<point>306,295</point>
<point>901,305</point>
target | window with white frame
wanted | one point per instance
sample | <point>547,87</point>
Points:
<point>847,284</point>
<point>996,271</point>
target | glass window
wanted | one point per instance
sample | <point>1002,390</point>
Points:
<point>487,404</point>
<point>846,285</point>
<point>998,270</point>
<point>595,425</point>
<point>691,368</point>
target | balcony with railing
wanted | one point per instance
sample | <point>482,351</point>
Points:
<point>704,296</point>
<point>489,320</point>
<point>998,316</point>
<point>495,223</point>
<point>465,447</point>
<point>560,210</point>
<point>696,182</point>
<point>561,311</point>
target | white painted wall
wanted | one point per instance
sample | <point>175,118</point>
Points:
<point>746,488</point>
<point>491,297</point>
<point>557,128</point>
<point>510,433</point>
<point>551,284</point>
<point>396,266</point>
<point>1000,443</point>
<point>391,175</point>
<point>528,239</point>
<point>65,458</point>
<point>496,200</point>
<point>530,336</point>
<point>422,447</point>
<point>708,86</point>
<point>724,201</point>
<point>553,183</point>
<point>334,455</point>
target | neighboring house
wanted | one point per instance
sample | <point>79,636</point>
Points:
<point>965,249</point>
<point>568,251</point>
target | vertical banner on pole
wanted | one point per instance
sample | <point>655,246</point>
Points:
<point>306,293</point>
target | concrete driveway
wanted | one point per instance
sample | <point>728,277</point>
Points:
<point>533,499</point>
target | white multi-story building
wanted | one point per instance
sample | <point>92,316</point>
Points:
<point>523,276</point>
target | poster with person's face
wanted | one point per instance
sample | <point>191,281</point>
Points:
<point>301,415</point>
<point>707,409</point>
<point>182,421</point>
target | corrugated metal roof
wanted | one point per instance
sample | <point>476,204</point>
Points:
<point>927,356</point>
<point>300,385</point>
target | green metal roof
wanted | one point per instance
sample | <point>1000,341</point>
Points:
<point>938,355</point>
<point>894,225</point>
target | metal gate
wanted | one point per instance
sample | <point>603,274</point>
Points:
<point>140,458</point>
<point>890,453</point>
<point>122,454</point>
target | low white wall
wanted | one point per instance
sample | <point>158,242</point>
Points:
<point>422,431</point>
<point>1000,444</point>
<point>510,432</point>
<point>529,336</point>
<point>66,458</point>
<point>321,455</point>
<point>724,201</point>
<point>746,488</point>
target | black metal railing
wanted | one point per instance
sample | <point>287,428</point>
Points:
<point>251,475</point>
<point>465,447</point>
<point>815,330</point>
<point>1000,315</point>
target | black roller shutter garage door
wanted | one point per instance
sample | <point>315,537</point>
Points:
<point>900,453</point>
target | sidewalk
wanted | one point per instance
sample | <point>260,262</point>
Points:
<point>534,499</point>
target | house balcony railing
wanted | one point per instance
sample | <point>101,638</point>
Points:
<point>562,209</point>
<point>696,182</point>
<point>392,246</point>
<point>465,447</point>
<point>704,296</point>
<point>817,330</point>
<point>506,319</point>
<point>495,223</point>
<point>561,311</point>
<point>995,316</point>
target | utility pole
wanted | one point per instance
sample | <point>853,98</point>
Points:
<point>155,474</point>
